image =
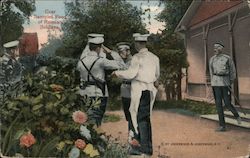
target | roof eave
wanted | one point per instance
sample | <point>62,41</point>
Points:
<point>182,25</point>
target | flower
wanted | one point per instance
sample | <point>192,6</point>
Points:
<point>27,140</point>
<point>79,117</point>
<point>89,150</point>
<point>74,153</point>
<point>79,143</point>
<point>60,146</point>
<point>134,142</point>
<point>85,132</point>
<point>56,88</point>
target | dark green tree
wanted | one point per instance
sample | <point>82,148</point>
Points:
<point>116,19</point>
<point>170,48</point>
<point>13,14</point>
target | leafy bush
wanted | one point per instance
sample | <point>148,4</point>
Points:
<point>45,111</point>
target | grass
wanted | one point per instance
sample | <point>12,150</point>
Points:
<point>111,118</point>
<point>188,107</point>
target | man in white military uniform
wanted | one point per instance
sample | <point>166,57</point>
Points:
<point>143,71</point>
<point>11,69</point>
<point>223,74</point>
<point>92,74</point>
<point>124,51</point>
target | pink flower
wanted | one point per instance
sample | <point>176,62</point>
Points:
<point>135,142</point>
<point>79,117</point>
<point>27,140</point>
<point>79,143</point>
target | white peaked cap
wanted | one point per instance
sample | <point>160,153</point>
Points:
<point>140,37</point>
<point>96,40</point>
<point>219,44</point>
<point>11,44</point>
<point>92,35</point>
<point>123,45</point>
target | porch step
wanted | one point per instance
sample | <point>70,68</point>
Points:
<point>214,117</point>
<point>242,115</point>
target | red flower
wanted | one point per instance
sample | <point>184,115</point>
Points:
<point>79,143</point>
<point>134,142</point>
<point>27,140</point>
<point>56,88</point>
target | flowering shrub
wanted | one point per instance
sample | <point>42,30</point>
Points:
<point>51,108</point>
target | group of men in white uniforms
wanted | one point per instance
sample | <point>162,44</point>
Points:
<point>138,72</point>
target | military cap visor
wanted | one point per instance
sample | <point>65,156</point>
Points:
<point>11,44</point>
<point>96,40</point>
<point>140,37</point>
<point>219,44</point>
<point>123,45</point>
<point>93,35</point>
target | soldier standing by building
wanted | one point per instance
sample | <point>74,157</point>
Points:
<point>143,73</point>
<point>92,74</point>
<point>124,51</point>
<point>223,74</point>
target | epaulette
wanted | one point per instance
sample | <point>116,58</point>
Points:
<point>225,55</point>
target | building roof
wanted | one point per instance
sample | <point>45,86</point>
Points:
<point>209,9</point>
<point>200,11</point>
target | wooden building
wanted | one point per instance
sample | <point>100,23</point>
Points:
<point>209,21</point>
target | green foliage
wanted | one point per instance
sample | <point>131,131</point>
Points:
<point>187,107</point>
<point>45,109</point>
<point>116,19</point>
<point>173,12</point>
<point>116,150</point>
<point>13,14</point>
<point>48,51</point>
<point>114,103</point>
<point>170,49</point>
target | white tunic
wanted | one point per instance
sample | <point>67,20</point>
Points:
<point>126,87</point>
<point>143,71</point>
<point>98,72</point>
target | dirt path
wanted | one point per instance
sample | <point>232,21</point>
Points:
<point>179,136</point>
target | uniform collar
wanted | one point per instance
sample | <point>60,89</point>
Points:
<point>143,50</point>
<point>219,54</point>
<point>93,53</point>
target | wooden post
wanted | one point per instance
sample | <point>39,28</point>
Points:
<point>205,34</point>
<point>231,23</point>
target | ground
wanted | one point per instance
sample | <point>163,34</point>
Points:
<point>181,136</point>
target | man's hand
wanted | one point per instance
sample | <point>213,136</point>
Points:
<point>106,49</point>
<point>113,74</point>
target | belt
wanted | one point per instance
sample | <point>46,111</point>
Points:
<point>126,82</point>
<point>220,74</point>
<point>90,83</point>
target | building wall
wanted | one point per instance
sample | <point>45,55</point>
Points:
<point>196,72</point>
<point>195,57</point>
